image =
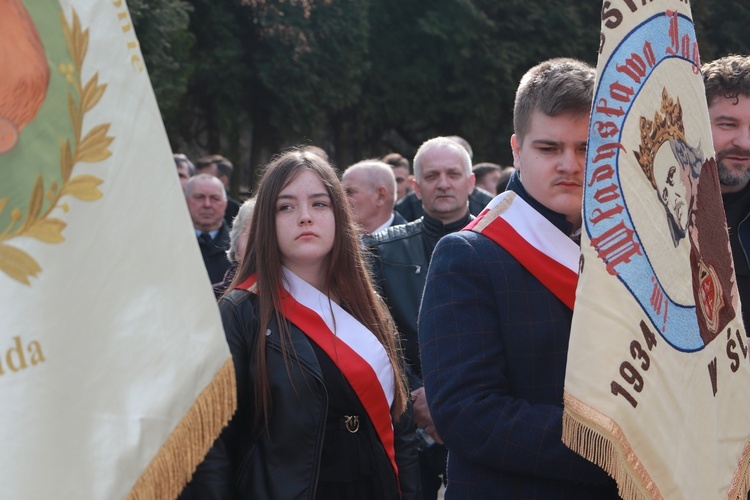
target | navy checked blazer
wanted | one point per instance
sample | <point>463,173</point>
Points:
<point>494,344</point>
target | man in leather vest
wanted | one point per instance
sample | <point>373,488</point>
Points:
<point>443,181</point>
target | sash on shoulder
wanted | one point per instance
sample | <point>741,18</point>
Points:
<point>540,247</point>
<point>354,349</point>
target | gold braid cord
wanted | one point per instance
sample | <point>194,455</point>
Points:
<point>187,445</point>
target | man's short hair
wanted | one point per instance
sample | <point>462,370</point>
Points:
<point>482,170</point>
<point>727,77</point>
<point>502,182</point>
<point>182,160</point>
<point>440,142</point>
<point>396,160</point>
<point>554,87</point>
<point>203,177</point>
<point>224,167</point>
<point>464,143</point>
<point>378,174</point>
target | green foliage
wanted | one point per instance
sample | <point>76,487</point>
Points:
<point>220,90</point>
<point>362,77</point>
<point>311,59</point>
<point>721,26</point>
<point>162,29</point>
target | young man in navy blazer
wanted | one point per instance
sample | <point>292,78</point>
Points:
<point>492,334</point>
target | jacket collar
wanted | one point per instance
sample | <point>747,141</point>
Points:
<point>436,229</point>
<point>555,218</point>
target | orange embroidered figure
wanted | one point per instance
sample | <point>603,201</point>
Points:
<point>23,64</point>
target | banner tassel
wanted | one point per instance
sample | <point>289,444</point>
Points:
<point>173,466</point>
<point>602,445</point>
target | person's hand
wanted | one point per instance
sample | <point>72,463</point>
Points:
<point>422,416</point>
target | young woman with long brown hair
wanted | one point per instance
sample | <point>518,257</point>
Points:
<point>320,382</point>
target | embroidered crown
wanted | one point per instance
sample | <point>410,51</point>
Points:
<point>665,126</point>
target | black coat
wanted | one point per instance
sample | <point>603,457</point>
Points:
<point>494,350</point>
<point>215,254</point>
<point>281,460</point>
<point>400,257</point>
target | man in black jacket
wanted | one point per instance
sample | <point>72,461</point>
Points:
<point>410,206</point>
<point>222,169</point>
<point>443,182</point>
<point>727,82</point>
<point>207,202</point>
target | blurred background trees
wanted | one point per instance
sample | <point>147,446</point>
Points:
<point>361,78</point>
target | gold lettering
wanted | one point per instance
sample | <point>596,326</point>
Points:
<point>16,358</point>
<point>19,354</point>
<point>35,350</point>
<point>126,26</point>
<point>137,63</point>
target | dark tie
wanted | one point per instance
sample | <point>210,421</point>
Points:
<point>205,238</point>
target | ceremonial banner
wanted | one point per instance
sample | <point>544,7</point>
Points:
<point>115,377</point>
<point>658,372</point>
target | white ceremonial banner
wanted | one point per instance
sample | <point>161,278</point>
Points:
<point>115,376</point>
<point>657,379</point>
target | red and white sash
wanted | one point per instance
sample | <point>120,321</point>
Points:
<point>539,246</point>
<point>354,349</point>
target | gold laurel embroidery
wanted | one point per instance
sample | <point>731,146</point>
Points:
<point>92,147</point>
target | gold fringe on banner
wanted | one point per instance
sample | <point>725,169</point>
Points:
<point>600,440</point>
<point>187,445</point>
<point>741,480</point>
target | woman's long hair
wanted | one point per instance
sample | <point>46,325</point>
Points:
<point>346,275</point>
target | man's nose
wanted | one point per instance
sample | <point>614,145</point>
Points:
<point>443,182</point>
<point>570,162</point>
<point>742,138</point>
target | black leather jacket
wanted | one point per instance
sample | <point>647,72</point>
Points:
<point>737,210</point>
<point>283,459</point>
<point>401,255</point>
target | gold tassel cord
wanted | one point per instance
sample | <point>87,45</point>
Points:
<point>187,445</point>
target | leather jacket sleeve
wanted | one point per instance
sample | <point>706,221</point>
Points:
<point>407,459</point>
<point>211,478</point>
<point>214,477</point>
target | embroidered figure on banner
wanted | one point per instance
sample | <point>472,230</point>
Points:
<point>30,201</point>
<point>674,169</point>
<point>633,232</point>
<point>25,79</point>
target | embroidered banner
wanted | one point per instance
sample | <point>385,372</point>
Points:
<point>115,377</point>
<point>658,370</point>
